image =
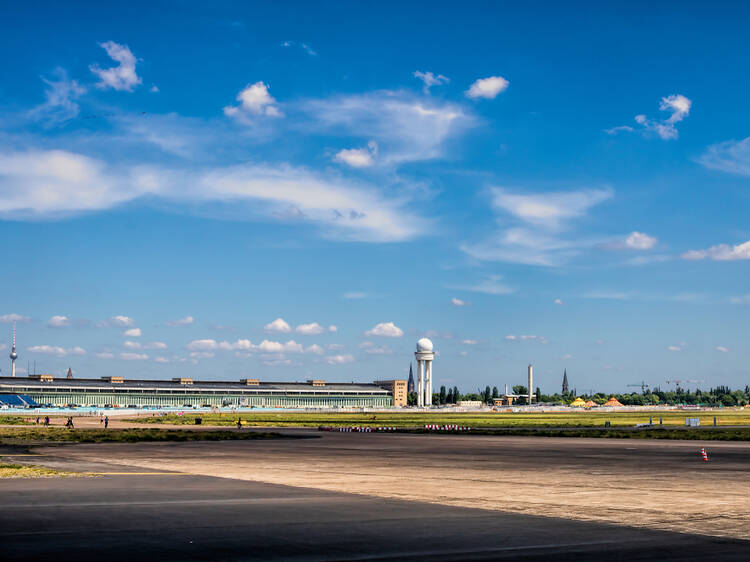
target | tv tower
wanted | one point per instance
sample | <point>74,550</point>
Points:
<point>13,354</point>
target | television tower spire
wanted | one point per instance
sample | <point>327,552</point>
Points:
<point>13,354</point>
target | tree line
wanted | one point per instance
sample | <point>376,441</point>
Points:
<point>715,396</point>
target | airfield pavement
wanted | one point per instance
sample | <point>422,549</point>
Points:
<point>337,496</point>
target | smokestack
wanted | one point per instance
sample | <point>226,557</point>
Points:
<point>531,382</point>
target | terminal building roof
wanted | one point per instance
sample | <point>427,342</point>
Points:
<point>186,384</point>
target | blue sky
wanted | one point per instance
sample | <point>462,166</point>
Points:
<point>290,191</point>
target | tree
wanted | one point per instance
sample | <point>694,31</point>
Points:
<point>411,399</point>
<point>519,389</point>
<point>456,394</point>
<point>449,397</point>
<point>487,395</point>
<point>495,392</point>
<point>538,394</point>
<point>443,395</point>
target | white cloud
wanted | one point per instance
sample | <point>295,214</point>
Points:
<point>276,347</point>
<point>132,333</point>
<point>310,329</point>
<point>640,241</point>
<point>487,88</point>
<point>374,349</point>
<point>674,348</point>
<point>155,345</point>
<point>540,219</point>
<point>161,359</point>
<point>722,349</point>
<point>406,127</point>
<point>60,105</point>
<point>339,359</point>
<point>201,354</point>
<point>58,322</point>
<point>566,357</point>
<point>490,285</point>
<point>333,329</point>
<point>121,77</point>
<point>57,350</point>
<point>429,80</point>
<point>105,355</point>
<point>315,349</point>
<point>743,299</point>
<point>131,344</point>
<point>278,325</point>
<point>128,356</point>
<point>202,345</point>
<point>13,317</point>
<point>721,252</point>
<point>354,295</point>
<point>677,105</point>
<point>526,337</point>
<point>118,322</point>
<point>334,347</point>
<point>558,301</point>
<point>186,321</point>
<point>385,329</point>
<point>154,90</point>
<point>358,157</point>
<point>459,302</point>
<point>469,342</point>
<point>254,100</point>
<point>304,46</point>
<point>732,157</point>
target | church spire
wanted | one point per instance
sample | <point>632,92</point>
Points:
<point>410,384</point>
<point>565,382</point>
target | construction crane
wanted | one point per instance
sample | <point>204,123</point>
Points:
<point>643,385</point>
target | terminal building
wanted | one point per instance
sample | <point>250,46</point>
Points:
<point>178,392</point>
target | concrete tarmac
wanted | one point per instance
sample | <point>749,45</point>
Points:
<point>186,517</point>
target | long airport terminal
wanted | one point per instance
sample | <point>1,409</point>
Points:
<point>121,392</point>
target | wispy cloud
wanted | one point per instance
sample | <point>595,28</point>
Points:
<point>405,126</point>
<point>13,317</point>
<point>61,95</point>
<point>56,350</point>
<point>304,46</point>
<point>538,221</point>
<point>489,285</point>
<point>358,157</point>
<point>429,80</point>
<point>677,105</point>
<point>732,157</point>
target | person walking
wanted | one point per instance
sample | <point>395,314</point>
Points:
<point>106,422</point>
<point>46,420</point>
<point>239,423</point>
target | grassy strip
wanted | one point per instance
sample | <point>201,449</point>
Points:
<point>15,420</point>
<point>23,471</point>
<point>135,435</point>
<point>707,434</point>
<point>474,420</point>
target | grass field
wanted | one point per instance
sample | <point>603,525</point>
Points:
<point>25,435</point>
<point>14,420</point>
<point>475,420</point>
<point>23,471</point>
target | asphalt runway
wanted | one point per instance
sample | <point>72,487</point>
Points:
<point>185,517</point>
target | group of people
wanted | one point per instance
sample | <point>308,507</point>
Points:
<point>104,420</point>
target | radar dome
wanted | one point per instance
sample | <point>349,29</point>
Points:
<point>424,345</point>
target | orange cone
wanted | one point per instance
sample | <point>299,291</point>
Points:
<point>704,454</point>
